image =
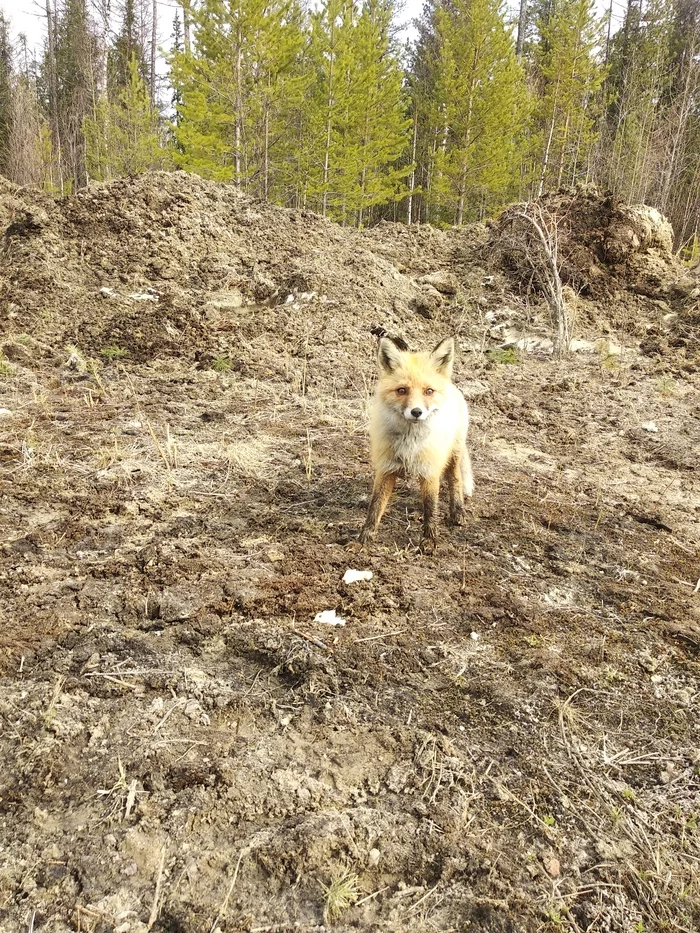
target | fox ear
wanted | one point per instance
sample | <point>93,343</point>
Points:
<point>443,357</point>
<point>389,355</point>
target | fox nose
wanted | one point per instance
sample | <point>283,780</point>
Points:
<point>416,412</point>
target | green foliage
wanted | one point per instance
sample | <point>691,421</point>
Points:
<point>507,357</point>
<point>114,353</point>
<point>237,92</point>
<point>5,91</point>
<point>570,77</point>
<point>357,119</point>
<point>470,101</point>
<point>122,136</point>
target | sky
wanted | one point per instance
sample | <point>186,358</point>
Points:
<point>29,17</point>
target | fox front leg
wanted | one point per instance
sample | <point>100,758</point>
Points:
<point>455,486</point>
<point>381,493</point>
<point>429,490</point>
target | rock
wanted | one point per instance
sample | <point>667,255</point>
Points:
<point>373,858</point>
<point>5,414</point>
<point>444,282</point>
<point>225,301</point>
<point>553,867</point>
<point>427,301</point>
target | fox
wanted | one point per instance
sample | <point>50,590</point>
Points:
<point>418,428</point>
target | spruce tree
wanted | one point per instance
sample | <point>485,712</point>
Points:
<point>122,138</point>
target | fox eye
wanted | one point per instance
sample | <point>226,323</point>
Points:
<point>429,391</point>
<point>402,390</point>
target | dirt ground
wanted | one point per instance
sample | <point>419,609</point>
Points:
<point>502,737</point>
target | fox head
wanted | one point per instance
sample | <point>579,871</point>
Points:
<point>413,385</point>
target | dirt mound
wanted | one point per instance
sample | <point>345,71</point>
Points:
<point>605,245</point>
<point>152,264</point>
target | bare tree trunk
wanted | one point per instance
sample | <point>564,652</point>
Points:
<point>522,20</point>
<point>154,43</point>
<point>412,177</point>
<point>186,25</point>
<point>53,91</point>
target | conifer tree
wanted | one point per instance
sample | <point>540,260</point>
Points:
<point>357,124</point>
<point>122,138</point>
<point>477,114</point>
<point>75,51</point>
<point>237,85</point>
<point>570,77</point>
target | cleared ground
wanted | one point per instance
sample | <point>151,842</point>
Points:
<point>502,737</point>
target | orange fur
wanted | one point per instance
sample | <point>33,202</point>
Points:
<point>419,428</point>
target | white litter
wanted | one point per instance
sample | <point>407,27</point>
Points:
<point>328,617</point>
<point>475,636</point>
<point>5,413</point>
<point>650,427</point>
<point>357,576</point>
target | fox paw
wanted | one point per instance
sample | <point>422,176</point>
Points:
<point>365,535</point>
<point>427,545</point>
<point>458,516</point>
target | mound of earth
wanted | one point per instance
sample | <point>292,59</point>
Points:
<point>500,737</point>
<point>604,245</point>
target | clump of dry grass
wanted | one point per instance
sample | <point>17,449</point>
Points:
<point>250,459</point>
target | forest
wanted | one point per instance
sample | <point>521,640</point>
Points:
<point>326,108</point>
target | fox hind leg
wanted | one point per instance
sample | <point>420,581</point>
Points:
<point>467,474</point>
<point>455,486</point>
<point>430,490</point>
<point>381,493</point>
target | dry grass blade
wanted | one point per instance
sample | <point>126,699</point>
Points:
<point>342,892</point>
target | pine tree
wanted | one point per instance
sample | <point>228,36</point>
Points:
<point>570,77</point>
<point>381,126</point>
<point>238,85</point>
<point>127,46</point>
<point>357,126</point>
<point>481,110</point>
<point>75,52</point>
<point>122,138</point>
<point>635,90</point>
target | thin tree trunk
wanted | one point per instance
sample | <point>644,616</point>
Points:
<point>154,42</point>
<point>522,20</point>
<point>412,177</point>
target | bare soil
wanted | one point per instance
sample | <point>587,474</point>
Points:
<point>503,737</point>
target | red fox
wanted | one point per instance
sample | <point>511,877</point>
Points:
<point>419,428</point>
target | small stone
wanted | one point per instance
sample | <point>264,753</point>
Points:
<point>650,427</point>
<point>373,857</point>
<point>553,867</point>
<point>444,282</point>
<point>5,414</point>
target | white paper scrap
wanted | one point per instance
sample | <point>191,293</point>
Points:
<point>357,576</point>
<point>328,617</point>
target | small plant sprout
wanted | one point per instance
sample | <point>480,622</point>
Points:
<point>5,366</point>
<point>507,357</point>
<point>342,892</point>
<point>75,360</point>
<point>307,458</point>
<point>112,353</point>
<point>221,364</point>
